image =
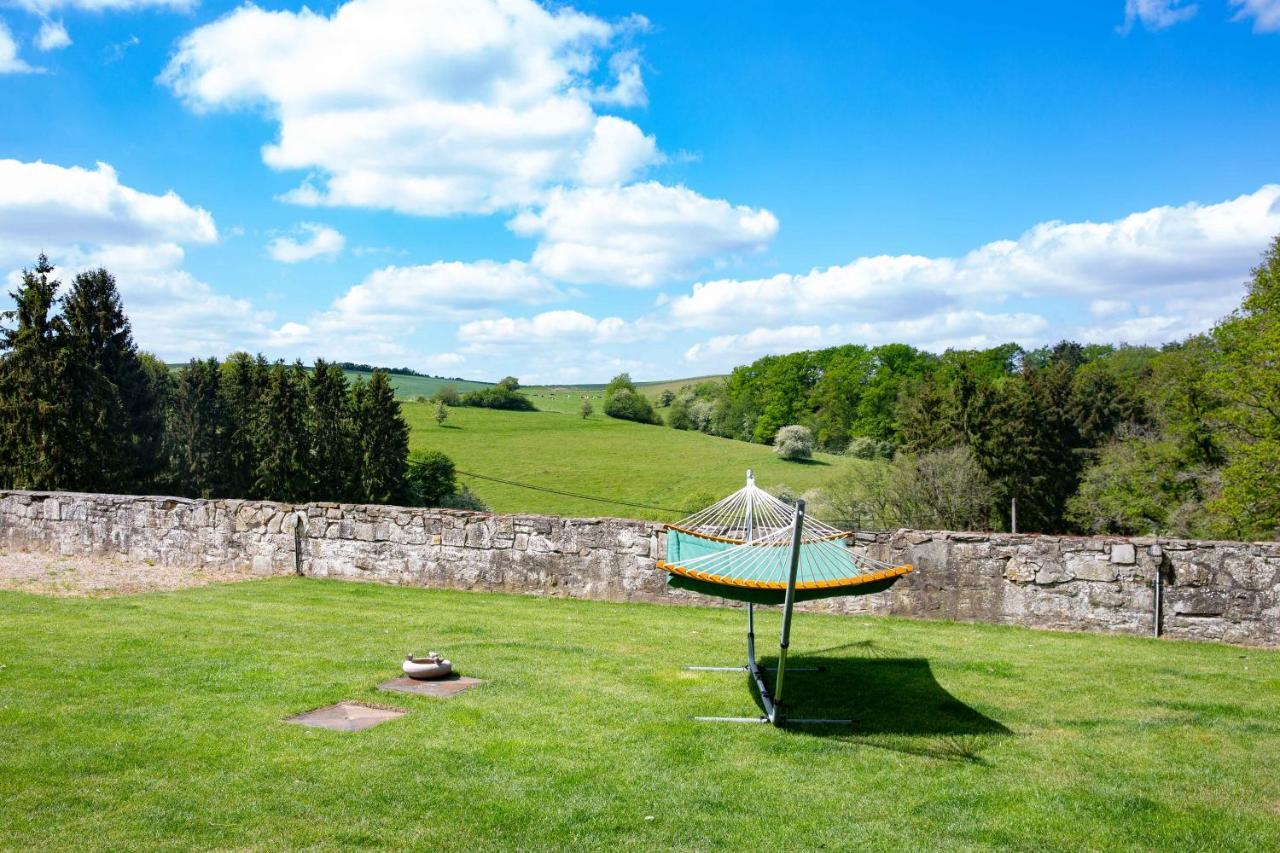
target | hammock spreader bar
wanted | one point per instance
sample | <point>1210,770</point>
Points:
<point>725,551</point>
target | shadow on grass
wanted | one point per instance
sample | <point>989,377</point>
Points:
<point>894,703</point>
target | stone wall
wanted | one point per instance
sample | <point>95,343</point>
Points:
<point>1209,590</point>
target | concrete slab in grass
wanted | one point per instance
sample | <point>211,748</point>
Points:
<point>443,687</point>
<point>346,716</point>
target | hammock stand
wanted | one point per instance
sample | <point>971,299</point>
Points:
<point>754,548</point>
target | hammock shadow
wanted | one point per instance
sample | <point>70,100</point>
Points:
<point>882,696</point>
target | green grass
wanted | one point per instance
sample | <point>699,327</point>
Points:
<point>409,387</point>
<point>603,457</point>
<point>154,721</point>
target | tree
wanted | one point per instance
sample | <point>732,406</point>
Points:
<point>60,418</point>
<point>623,401</point>
<point>104,352</point>
<point>430,479</point>
<point>284,456</point>
<point>1247,378</point>
<point>383,436</point>
<point>195,432</point>
<point>509,383</point>
<point>586,408</point>
<point>666,398</point>
<point>332,433</point>
<point>442,413</point>
<point>446,394</point>
<point>938,490</point>
<point>243,382</point>
<point>794,443</point>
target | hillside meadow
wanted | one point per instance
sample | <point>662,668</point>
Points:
<point>601,456</point>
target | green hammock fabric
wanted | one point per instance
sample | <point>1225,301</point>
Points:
<point>774,596</point>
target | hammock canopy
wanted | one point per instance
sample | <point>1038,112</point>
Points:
<point>740,548</point>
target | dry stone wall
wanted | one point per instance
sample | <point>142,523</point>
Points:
<point>1206,590</point>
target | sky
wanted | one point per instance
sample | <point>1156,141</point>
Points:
<point>561,192</point>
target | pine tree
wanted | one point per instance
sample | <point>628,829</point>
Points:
<point>332,433</point>
<point>38,449</point>
<point>195,432</point>
<point>284,471</point>
<point>384,441</point>
<point>244,381</point>
<point>102,343</point>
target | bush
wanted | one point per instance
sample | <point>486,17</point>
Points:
<point>938,490</point>
<point>447,394</point>
<point>862,447</point>
<point>464,498</point>
<point>430,479</point>
<point>794,443</point>
<point>623,401</point>
<point>497,397</point>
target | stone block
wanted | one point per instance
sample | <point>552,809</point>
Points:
<point>1124,554</point>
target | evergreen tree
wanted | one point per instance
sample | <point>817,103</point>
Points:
<point>102,343</point>
<point>383,441</point>
<point>333,441</point>
<point>284,452</point>
<point>195,432</point>
<point>243,383</point>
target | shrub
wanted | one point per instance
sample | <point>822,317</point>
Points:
<point>497,397</point>
<point>464,498</point>
<point>793,443</point>
<point>586,408</point>
<point>430,478</point>
<point>938,490</point>
<point>447,394</point>
<point>666,398</point>
<point>862,447</point>
<point>623,401</point>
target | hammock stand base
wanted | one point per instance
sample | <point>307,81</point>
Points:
<point>772,707</point>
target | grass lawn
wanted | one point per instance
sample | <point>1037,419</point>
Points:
<point>603,457</point>
<point>154,720</point>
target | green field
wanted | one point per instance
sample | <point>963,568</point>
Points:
<point>604,457</point>
<point>154,721</point>
<point>410,387</point>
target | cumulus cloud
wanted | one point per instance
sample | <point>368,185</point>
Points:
<point>10,62</point>
<point>1178,256</point>
<point>569,328</point>
<point>56,208</point>
<point>1265,14</point>
<point>1156,14</point>
<point>52,36</point>
<point>46,6</point>
<point>401,296</point>
<point>638,235</point>
<point>429,107</point>
<point>319,241</point>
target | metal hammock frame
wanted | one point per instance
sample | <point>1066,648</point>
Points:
<point>753,547</point>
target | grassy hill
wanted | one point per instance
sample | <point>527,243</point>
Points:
<point>603,457</point>
<point>409,387</point>
<point>568,398</point>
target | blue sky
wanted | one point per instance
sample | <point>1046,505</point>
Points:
<point>562,192</point>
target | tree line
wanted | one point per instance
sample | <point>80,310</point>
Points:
<point>82,409</point>
<point>1182,439</point>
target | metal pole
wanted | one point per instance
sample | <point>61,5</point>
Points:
<point>1013,515</point>
<point>788,605</point>
<point>751,608</point>
<point>1158,592</point>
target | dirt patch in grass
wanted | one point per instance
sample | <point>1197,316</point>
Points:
<point>51,574</point>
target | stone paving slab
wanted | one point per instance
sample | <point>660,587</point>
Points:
<point>346,716</point>
<point>444,687</point>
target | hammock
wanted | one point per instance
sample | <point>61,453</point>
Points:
<point>752,547</point>
<point>739,548</point>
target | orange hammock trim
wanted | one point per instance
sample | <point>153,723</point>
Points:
<point>883,574</point>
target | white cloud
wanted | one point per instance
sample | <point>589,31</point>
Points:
<point>55,208</point>
<point>429,107</point>
<point>46,6</point>
<point>1156,14</point>
<point>52,36</point>
<point>1178,255</point>
<point>10,63</point>
<point>1108,307</point>
<point>319,241</point>
<point>1265,14</point>
<point>964,329</point>
<point>404,296</point>
<point>550,328</point>
<point>638,235</point>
